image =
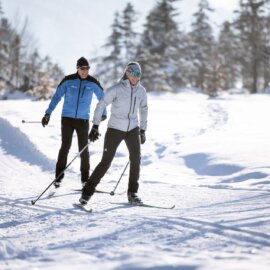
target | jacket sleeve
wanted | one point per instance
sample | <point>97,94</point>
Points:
<point>60,91</point>
<point>107,99</point>
<point>143,111</point>
<point>99,94</point>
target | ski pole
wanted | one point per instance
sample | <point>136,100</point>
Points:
<point>31,122</point>
<point>112,192</point>
<point>34,201</point>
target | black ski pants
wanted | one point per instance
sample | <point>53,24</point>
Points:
<point>68,125</point>
<point>112,140</point>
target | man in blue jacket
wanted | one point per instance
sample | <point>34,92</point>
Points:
<point>77,90</point>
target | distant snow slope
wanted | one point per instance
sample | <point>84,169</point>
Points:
<point>207,156</point>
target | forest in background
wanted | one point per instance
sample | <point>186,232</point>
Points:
<point>237,56</point>
<point>21,65</point>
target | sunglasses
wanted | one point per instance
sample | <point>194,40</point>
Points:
<point>135,74</point>
<point>84,68</point>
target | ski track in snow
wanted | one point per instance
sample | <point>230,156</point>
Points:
<point>215,225</point>
<point>216,115</point>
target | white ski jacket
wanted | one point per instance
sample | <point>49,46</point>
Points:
<point>126,102</point>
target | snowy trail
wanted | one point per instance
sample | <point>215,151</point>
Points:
<point>174,232</point>
<point>201,164</point>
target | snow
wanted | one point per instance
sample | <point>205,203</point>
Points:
<point>209,157</point>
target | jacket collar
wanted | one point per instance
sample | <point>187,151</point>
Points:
<point>78,77</point>
<point>127,84</point>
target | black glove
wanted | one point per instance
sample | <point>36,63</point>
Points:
<point>103,117</point>
<point>94,134</point>
<point>142,136</point>
<point>45,120</point>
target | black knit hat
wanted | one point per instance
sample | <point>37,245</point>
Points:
<point>82,62</point>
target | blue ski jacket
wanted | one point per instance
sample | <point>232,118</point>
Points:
<point>78,96</point>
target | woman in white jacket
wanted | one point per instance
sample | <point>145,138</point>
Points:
<point>128,100</point>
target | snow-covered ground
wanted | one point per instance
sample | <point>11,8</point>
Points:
<point>209,157</point>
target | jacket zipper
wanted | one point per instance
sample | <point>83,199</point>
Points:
<point>83,91</point>
<point>130,109</point>
<point>134,105</point>
<point>78,99</point>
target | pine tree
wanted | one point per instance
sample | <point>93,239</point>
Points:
<point>31,66</point>
<point>227,49</point>
<point>153,76</point>
<point>158,49</point>
<point>202,42</point>
<point>2,83</point>
<point>15,60</point>
<point>6,36</point>
<point>266,47</point>
<point>128,34</point>
<point>249,24</point>
<point>56,74</point>
<point>110,67</point>
<point>21,67</point>
<point>215,76</point>
<point>121,45</point>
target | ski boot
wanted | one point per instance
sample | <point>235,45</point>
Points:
<point>133,198</point>
<point>84,199</point>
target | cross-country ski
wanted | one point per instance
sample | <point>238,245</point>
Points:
<point>145,205</point>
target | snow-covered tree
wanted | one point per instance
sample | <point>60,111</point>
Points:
<point>120,48</point>
<point>21,67</point>
<point>45,87</point>
<point>110,67</point>
<point>56,74</point>
<point>249,25</point>
<point>153,78</point>
<point>15,61</point>
<point>41,76</point>
<point>129,36</point>
<point>159,46</point>
<point>202,42</point>
<point>215,75</point>
<point>31,68</point>
<point>266,46</point>
<point>228,50</point>
<point>6,37</point>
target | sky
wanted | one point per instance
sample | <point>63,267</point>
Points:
<point>211,159</point>
<point>68,29</point>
